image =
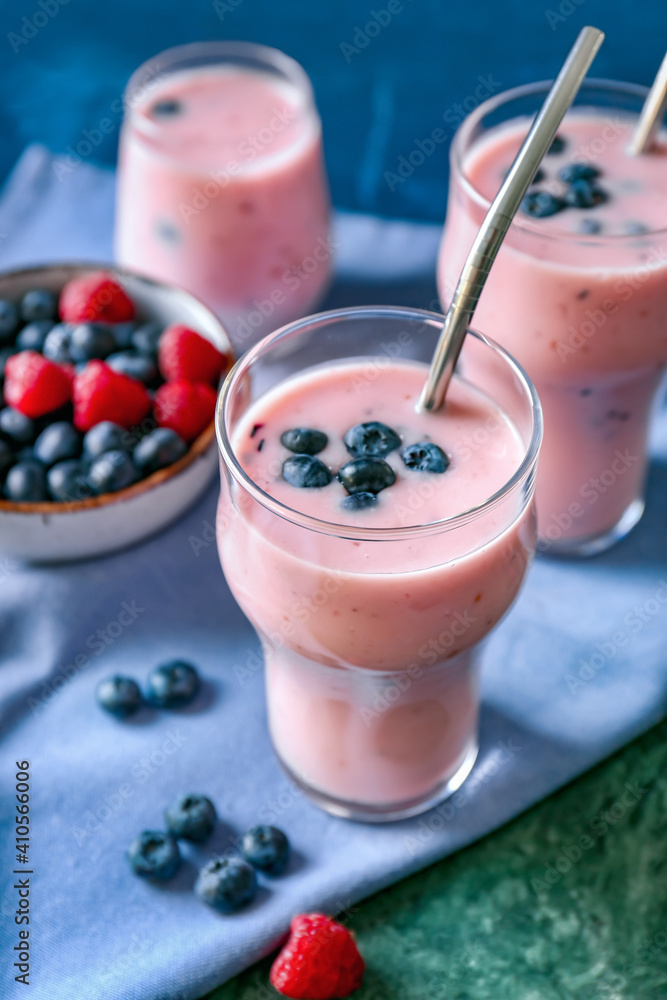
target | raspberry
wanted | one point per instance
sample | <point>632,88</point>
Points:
<point>186,407</point>
<point>319,962</point>
<point>93,297</point>
<point>100,393</point>
<point>34,385</point>
<point>186,356</point>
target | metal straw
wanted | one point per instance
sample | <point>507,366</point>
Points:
<point>652,114</point>
<point>502,211</point>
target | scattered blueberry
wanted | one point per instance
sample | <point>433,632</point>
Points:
<point>635,229</point>
<point>67,481</point>
<point>584,194</point>
<point>557,146</point>
<point>540,204</point>
<point>366,475</point>
<point>590,227</point>
<point>578,172</point>
<point>38,304</point>
<point>105,436</point>
<point>266,847</point>
<point>138,366</point>
<point>5,353</point>
<point>145,338</point>
<point>226,884</point>
<point>172,684</point>
<point>122,333</point>
<point>119,695</point>
<point>32,336</point>
<point>191,817</point>
<point>112,471</point>
<point>154,854</point>
<point>306,472</point>
<point>360,501</point>
<point>26,482</point>
<point>304,441</point>
<point>425,457</point>
<point>166,108</point>
<point>57,343</point>
<point>371,440</point>
<point>158,449</point>
<point>15,427</point>
<point>9,320</point>
<point>6,457</point>
<point>91,341</point>
<point>56,442</point>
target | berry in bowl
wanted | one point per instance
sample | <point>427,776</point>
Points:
<point>108,383</point>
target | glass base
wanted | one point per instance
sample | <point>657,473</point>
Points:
<point>362,813</point>
<point>592,545</point>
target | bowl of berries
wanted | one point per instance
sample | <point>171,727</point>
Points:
<point>108,383</point>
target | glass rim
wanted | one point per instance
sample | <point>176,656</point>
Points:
<point>462,136</point>
<point>242,366</point>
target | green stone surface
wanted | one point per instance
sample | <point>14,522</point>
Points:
<point>486,924</point>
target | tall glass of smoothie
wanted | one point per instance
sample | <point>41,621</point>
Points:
<point>374,547</point>
<point>222,188</point>
<point>578,294</point>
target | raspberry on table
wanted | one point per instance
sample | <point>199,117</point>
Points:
<point>185,407</point>
<point>184,355</point>
<point>320,960</point>
<point>95,296</point>
<point>100,393</point>
<point>34,385</point>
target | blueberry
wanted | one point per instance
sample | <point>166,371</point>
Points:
<point>26,482</point>
<point>112,471</point>
<point>105,436</point>
<point>122,334</point>
<point>371,440</point>
<point>540,204</point>
<point>56,442</point>
<point>578,172</point>
<point>172,684</point>
<point>266,847</point>
<point>145,339</point>
<point>158,449</point>
<point>590,227</point>
<point>91,341</point>
<point>9,320</point>
<point>635,229</point>
<point>191,817</point>
<point>6,457</point>
<point>16,428</point>
<point>304,440</point>
<point>138,366</point>
<point>425,456</point>
<point>360,501</point>
<point>32,336</point>
<point>584,194</point>
<point>366,475</point>
<point>167,231</point>
<point>57,343</point>
<point>226,884</point>
<point>306,472</point>
<point>67,481</point>
<point>38,304</point>
<point>154,854</point>
<point>167,108</point>
<point>5,354</point>
<point>119,695</point>
<point>557,146</point>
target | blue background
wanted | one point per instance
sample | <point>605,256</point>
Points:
<point>374,103</point>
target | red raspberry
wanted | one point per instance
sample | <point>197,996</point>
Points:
<point>185,356</point>
<point>100,393</point>
<point>319,962</point>
<point>93,297</point>
<point>186,407</point>
<point>34,385</point>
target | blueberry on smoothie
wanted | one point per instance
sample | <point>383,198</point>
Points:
<point>172,684</point>
<point>226,884</point>
<point>119,695</point>
<point>306,472</point>
<point>366,475</point>
<point>557,146</point>
<point>425,456</point>
<point>167,108</point>
<point>360,501</point>
<point>635,229</point>
<point>590,227</point>
<point>154,854</point>
<point>578,172</point>
<point>541,204</point>
<point>266,847</point>
<point>304,440</point>
<point>371,440</point>
<point>38,303</point>
<point>191,817</point>
<point>584,194</point>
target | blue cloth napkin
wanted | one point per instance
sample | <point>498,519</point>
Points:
<point>561,690</point>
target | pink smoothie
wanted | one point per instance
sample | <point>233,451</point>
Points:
<point>580,299</point>
<point>371,682</point>
<point>222,191</point>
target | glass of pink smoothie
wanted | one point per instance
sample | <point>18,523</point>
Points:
<point>221,183</point>
<point>578,295</point>
<point>374,554</point>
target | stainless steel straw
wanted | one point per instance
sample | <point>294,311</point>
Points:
<point>652,114</point>
<point>500,214</point>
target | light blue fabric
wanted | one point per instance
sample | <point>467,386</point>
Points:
<point>97,931</point>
